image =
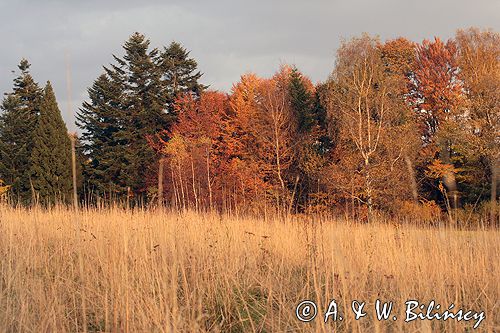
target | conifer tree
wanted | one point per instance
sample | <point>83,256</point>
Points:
<point>128,104</point>
<point>310,138</point>
<point>180,73</point>
<point>144,107</point>
<point>103,138</point>
<point>301,100</point>
<point>51,156</point>
<point>18,122</point>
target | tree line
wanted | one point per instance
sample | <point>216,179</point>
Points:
<point>398,127</point>
<point>35,156</point>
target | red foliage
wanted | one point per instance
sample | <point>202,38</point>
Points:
<point>437,91</point>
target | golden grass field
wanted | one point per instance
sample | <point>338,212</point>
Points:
<point>115,270</point>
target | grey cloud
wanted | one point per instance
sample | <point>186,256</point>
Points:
<point>228,38</point>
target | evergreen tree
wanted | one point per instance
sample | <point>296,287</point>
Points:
<point>311,139</point>
<point>144,110</point>
<point>18,122</point>
<point>326,137</point>
<point>180,73</point>
<point>130,103</point>
<point>51,156</point>
<point>103,138</point>
<point>302,102</point>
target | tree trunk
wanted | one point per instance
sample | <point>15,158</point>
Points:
<point>369,190</point>
<point>278,162</point>
<point>182,187</point>
<point>494,200</point>
<point>449,179</point>
<point>413,181</point>
<point>209,182</point>
<point>160,183</point>
<point>290,205</point>
<point>174,186</point>
<point>73,169</point>
<point>194,185</point>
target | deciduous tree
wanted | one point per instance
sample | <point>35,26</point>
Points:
<point>366,105</point>
<point>436,93</point>
<point>479,60</point>
<point>398,57</point>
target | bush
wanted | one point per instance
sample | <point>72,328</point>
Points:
<point>427,212</point>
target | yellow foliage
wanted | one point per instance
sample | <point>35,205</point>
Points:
<point>424,212</point>
<point>438,169</point>
<point>3,189</point>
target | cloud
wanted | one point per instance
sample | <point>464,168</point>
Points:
<point>228,38</point>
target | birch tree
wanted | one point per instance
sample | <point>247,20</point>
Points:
<point>362,104</point>
<point>479,60</point>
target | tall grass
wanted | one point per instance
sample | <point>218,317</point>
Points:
<point>117,270</point>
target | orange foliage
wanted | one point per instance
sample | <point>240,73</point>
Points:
<point>437,89</point>
<point>438,169</point>
<point>398,55</point>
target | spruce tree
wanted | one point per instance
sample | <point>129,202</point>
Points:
<point>311,137</point>
<point>145,110</point>
<point>129,104</point>
<point>301,101</point>
<point>325,138</point>
<point>51,156</point>
<point>103,137</point>
<point>18,122</point>
<point>180,73</point>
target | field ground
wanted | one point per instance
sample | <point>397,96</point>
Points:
<point>122,271</point>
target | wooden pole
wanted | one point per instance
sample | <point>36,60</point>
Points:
<point>72,137</point>
<point>160,183</point>
<point>494,200</point>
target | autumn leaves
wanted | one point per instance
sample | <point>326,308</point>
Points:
<point>370,138</point>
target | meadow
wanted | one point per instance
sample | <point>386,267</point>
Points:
<point>117,270</point>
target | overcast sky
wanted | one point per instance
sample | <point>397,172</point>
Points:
<point>226,37</point>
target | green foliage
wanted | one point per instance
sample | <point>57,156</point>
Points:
<point>180,74</point>
<point>129,104</point>
<point>34,145</point>
<point>311,139</point>
<point>50,171</point>
<point>302,102</point>
<point>18,122</point>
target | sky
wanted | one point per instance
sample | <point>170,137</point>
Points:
<point>228,38</point>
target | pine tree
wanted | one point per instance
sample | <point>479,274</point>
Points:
<point>17,126</point>
<point>51,156</point>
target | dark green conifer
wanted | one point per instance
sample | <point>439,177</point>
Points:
<point>301,101</point>
<point>129,104</point>
<point>103,137</point>
<point>18,121</point>
<point>312,141</point>
<point>51,156</point>
<point>145,109</point>
<point>180,73</point>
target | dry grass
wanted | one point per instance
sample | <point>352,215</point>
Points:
<point>153,272</point>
